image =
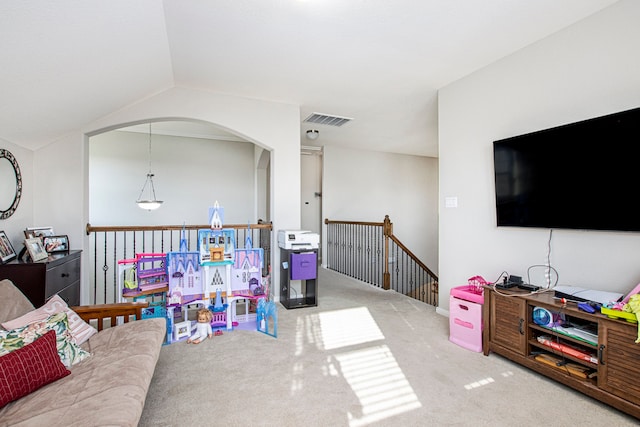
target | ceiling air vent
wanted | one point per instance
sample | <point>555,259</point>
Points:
<point>326,119</point>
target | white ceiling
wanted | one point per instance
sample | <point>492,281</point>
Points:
<point>66,63</point>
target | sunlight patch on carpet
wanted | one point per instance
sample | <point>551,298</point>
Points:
<point>379,384</point>
<point>343,328</point>
<point>479,383</point>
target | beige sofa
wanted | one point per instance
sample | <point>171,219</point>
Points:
<point>108,388</point>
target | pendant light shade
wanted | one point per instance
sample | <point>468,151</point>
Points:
<point>149,202</point>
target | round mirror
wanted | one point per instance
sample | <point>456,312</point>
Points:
<point>10,184</point>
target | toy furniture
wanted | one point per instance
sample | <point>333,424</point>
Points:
<point>151,276</point>
<point>266,316</point>
<point>216,270</point>
<point>107,388</point>
<point>126,277</point>
<point>219,320</point>
<point>182,330</point>
<point>247,267</point>
<point>185,277</point>
<point>145,278</point>
<point>185,285</point>
<point>152,272</point>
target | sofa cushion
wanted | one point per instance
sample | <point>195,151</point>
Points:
<point>70,353</point>
<point>79,329</point>
<point>14,303</point>
<point>109,388</point>
<point>29,368</point>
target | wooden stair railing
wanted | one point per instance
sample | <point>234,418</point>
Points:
<point>108,244</point>
<point>368,251</point>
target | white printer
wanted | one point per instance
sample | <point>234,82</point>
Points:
<point>298,239</point>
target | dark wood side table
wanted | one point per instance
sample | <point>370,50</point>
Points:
<point>39,281</point>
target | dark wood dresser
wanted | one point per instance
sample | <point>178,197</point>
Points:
<point>58,274</point>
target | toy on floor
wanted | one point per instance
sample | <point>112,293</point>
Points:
<point>181,330</point>
<point>203,327</point>
<point>218,319</point>
<point>216,280</point>
<point>266,315</point>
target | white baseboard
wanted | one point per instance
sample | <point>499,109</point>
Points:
<point>442,312</point>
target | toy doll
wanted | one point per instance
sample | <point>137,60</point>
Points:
<point>203,328</point>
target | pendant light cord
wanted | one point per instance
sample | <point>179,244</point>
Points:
<point>150,150</point>
<point>150,175</point>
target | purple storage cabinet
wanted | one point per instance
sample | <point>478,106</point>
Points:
<point>298,265</point>
<point>303,265</point>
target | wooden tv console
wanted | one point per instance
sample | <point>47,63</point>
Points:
<point>612,376</point>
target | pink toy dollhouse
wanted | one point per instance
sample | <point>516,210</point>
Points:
<point>146,274</point>
<point>185,277</point>
<point>247,266</point>
<point>217,270</point>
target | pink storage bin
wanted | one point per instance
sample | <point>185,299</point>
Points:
<point>464,293</point>
<point>465,318</point>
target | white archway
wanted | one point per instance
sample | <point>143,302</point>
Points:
<point>270,125</point>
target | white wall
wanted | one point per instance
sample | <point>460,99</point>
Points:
<point>367,185</point>
<point>59,171</point>
<point>23,216</point>
<point>271,125</point>
<point>262,160</point>
<point>190,175</point>
<point>587,70</point>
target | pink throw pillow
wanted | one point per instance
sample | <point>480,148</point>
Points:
<point>29,368</point>
<point>80,330</point>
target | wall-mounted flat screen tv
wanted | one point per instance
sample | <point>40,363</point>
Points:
<point>584,175</point>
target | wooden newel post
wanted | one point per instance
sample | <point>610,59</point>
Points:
<point>387,230</point>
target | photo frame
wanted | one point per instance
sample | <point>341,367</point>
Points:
<point>36,249</point>
<point>53,244</point>
<point>40,232</point>
<point>7,253</point>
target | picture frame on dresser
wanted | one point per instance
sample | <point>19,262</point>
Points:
<point>58,274</point>
<point>39,232</point>
<point>36,249</point>
<point>53,244</point>
<point>7,253</point>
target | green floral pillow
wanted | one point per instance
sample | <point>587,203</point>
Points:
<point>70,353</point>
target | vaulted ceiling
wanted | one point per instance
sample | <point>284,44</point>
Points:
<point>66,63</point>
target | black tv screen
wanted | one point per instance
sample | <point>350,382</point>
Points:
<point>584,175</point>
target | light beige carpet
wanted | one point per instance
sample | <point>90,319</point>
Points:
<point>362,357</point>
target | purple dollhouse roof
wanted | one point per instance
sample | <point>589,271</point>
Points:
<point>252,256</point>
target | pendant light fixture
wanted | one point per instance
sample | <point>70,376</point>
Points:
<point>151,203</point>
